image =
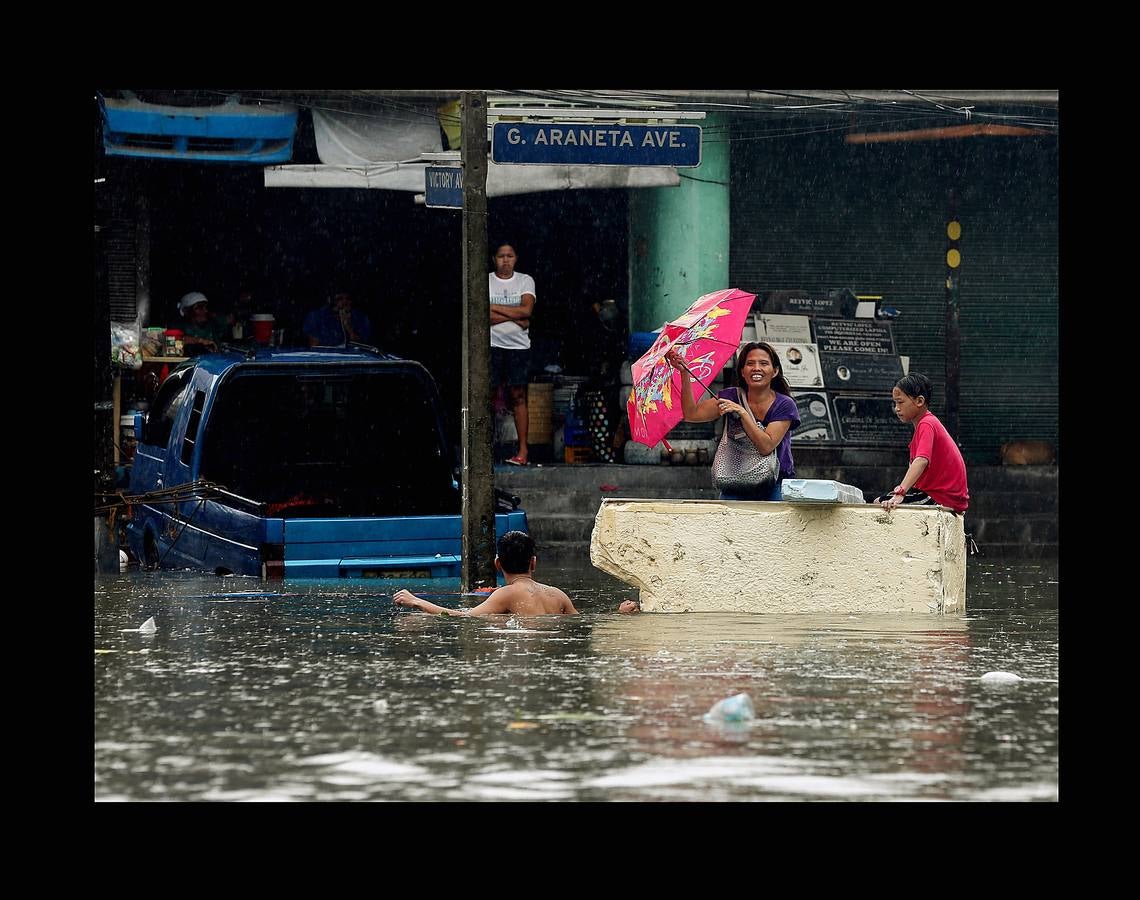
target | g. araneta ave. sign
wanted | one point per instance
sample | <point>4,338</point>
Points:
<point>582,144</point>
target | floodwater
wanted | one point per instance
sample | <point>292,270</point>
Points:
<point>312,691</point>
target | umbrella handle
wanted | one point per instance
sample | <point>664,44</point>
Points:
<point>708,390</point>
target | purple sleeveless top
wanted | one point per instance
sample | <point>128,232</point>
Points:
<point>784,407</point>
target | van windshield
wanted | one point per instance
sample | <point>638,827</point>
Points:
<point>365,444</point>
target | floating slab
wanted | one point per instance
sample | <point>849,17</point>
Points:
<point>757,557</point>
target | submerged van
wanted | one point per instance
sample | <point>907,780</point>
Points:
<point>325,463</point>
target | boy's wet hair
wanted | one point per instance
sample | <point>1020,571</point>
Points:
<point>515,551</point>
<point>916,385</point>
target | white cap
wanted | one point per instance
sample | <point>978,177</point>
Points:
<point>191,299</point>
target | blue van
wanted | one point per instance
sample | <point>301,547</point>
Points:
<point>322,463</point>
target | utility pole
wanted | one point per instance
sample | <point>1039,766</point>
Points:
<point>477,476</point>
<point>106,425</point>
<point>953,332</point>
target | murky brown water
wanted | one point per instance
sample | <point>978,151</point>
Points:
<point>326,691</point>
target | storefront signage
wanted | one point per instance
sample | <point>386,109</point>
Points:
<point>802,303</point>
<point>586,144</point>
<point>854,336</point>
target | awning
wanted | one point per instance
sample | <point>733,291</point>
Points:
<point>501,180</point>
<point>353,150</point>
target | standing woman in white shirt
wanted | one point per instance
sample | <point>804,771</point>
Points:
<point>512,302</point>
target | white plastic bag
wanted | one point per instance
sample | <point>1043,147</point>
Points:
<point>125,351</point>
<point>736,709</point>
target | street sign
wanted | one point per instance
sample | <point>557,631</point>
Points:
<point>583,144</point>
<point>443,187</point>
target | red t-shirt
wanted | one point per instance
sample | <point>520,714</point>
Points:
<point>945,476</point>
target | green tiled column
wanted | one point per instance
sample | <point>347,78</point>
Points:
<point>678,240</point>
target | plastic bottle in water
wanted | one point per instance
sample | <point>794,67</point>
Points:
<point>735,709</point>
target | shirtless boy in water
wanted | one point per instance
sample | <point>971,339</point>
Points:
<point>522,595</point>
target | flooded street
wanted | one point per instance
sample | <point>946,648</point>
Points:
<point>251,690</point>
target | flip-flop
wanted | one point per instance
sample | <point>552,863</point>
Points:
<point>516,461</point>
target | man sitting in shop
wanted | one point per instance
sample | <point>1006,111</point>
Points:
<point>337,324</point>
<point>202,331</point>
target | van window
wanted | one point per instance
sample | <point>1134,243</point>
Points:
<point>192,424</point>
<point>366,444</point>
<point>164,409</point>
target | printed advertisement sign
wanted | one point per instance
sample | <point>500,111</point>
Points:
<point>870,420</point>
<point>815,417</point>
<point>802,303</point>
<point>800,363</point>
<point>860,372</point>
<point>854,336</point>
<point>787,329</point>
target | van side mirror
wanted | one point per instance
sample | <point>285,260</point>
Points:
<point>140,423</point>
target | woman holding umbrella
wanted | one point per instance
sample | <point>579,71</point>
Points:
<point>769,419</point>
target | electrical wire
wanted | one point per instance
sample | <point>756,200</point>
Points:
<point>871,112</point>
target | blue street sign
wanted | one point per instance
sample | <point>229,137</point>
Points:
<point>443,187</point>
<point>584,144</point>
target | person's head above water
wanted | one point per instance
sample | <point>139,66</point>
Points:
<point>516,550</point>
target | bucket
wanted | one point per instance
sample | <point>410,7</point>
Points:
<point>539,403</point>
<point>262,324</point>
<point>641,341</point>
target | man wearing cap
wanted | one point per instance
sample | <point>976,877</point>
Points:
<point>202,330</point>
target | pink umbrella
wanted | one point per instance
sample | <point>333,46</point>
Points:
<point>705,336</point>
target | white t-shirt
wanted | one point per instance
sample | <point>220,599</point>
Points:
<point>509,292</point>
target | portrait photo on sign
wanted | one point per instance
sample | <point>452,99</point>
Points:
<point>800,362</point>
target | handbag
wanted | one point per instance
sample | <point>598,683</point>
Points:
<point>737,465</point>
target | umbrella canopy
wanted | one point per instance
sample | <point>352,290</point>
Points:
<point>705,336</point>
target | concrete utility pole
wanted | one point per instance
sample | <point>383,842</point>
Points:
<point>477,475</point>
<point>106,547</point>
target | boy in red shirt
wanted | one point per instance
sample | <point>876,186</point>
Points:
<point>937,473</point>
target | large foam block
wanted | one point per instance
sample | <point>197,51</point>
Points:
<point>762,557</point>
<point>820,490</point>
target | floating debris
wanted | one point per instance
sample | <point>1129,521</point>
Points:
<point>147,627</point>
<point>1000,678</point>
<point>735,709</point>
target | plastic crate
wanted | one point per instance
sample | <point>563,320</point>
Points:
<point>577,455</point>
